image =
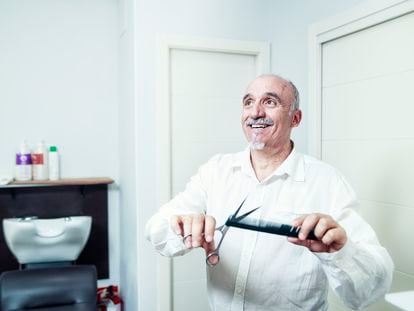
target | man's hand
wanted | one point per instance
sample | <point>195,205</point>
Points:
<point>331,236</point>
<point>197,230</point>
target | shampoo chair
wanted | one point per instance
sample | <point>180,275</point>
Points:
<point>49,289</point>
<point>48,280</point>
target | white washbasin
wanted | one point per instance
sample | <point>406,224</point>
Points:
<point>33,240</point>
<point>403,300</point>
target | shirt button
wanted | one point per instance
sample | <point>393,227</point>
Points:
<point>239,291</point>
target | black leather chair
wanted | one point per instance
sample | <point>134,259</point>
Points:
<point>49,289</point>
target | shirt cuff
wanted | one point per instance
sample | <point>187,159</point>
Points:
<point>339,258</point>
<point>163,238</point>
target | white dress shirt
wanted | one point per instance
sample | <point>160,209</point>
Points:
<point>261,271</point>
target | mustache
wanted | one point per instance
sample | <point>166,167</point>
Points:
<point>260,121</point>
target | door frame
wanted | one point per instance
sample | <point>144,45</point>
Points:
<point>367,14</point>
<point>165,44</point>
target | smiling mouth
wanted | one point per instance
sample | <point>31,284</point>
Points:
<point>258,126</point>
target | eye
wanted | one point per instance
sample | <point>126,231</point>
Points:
<point>271,102</point>
<point>248,102</point>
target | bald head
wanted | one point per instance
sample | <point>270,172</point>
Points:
<point>289,90</point>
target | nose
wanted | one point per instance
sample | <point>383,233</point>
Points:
<point>257,111</point>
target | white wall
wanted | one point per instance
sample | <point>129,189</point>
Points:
<point>284,23</point>
<point>289,24</point>
<point>58,81</point>
<point>129,279</point>
<point>233,19</point>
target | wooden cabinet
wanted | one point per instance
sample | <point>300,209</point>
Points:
<point>53,199</point>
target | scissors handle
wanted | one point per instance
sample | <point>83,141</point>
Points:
<point>211,256</point>
<point>215,253</point>
<point>269,227</point>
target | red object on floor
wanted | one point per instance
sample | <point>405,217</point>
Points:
<point>108,298</point>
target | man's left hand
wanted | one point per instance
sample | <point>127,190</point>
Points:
<point>331,236</point>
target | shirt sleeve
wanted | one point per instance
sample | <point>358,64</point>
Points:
<point>191,201</point>
<point>361,272</point>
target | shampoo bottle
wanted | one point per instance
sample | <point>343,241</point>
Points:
<point>23,168</point>
<point>54,165</point>
<point>40,162</point>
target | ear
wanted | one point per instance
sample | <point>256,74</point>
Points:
<point>297,117</point>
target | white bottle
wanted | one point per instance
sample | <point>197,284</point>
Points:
<point>54,165</point>
<point>40,163</point>
<point>23,168</point>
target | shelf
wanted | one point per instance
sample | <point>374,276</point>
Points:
<point>61,182</point>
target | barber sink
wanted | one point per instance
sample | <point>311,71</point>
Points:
<point>33,240</point>
<point>403,300</point>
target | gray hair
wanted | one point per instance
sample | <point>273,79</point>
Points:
<point>296,97</point>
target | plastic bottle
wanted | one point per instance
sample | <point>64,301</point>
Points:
<point>54,165</point>
<point>40,162</point>
<point>23,168</point>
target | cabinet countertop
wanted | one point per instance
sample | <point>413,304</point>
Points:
<point>61,182</point>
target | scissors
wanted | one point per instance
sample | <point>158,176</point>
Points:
<point>256,225</point>
<point>223,229</point>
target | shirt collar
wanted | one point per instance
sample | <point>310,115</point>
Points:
<point>293,165</point>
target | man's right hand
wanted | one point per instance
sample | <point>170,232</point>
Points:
<point>197,230</point>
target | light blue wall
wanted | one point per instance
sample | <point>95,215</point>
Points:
<point>283,23</point>
<point>129,279</point>
<point>58,81</point>
<point>232,19</point>
<point>289,24</point>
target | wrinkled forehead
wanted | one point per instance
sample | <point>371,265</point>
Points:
<point>271,84</point>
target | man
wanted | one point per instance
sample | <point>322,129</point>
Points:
<point>260,271</point>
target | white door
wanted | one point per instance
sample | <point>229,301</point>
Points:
<point>206,83</point>
<point>368,132</point>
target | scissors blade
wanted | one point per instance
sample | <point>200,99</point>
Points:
<point>238,209</point>
<point>238,218</point>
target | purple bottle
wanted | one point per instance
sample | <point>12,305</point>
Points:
<point>23,168</point>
